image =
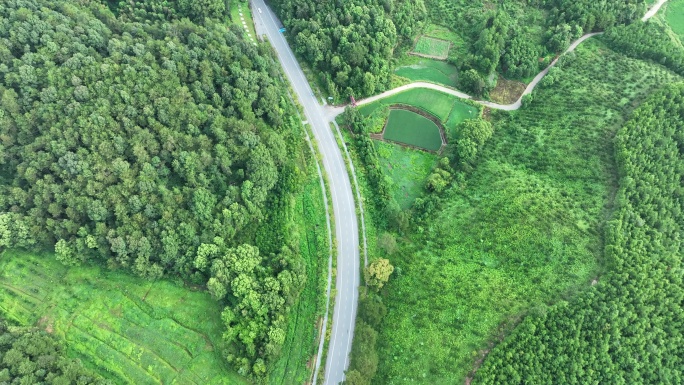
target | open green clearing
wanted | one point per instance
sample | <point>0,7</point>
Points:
<point>437,103</point>
<point>407,168</point>
<point>126,328</point>
<point>410,128</point>
<point>521,231</point>
<point>416,68</point>
<point>432,47</point>
<point>674,14</point>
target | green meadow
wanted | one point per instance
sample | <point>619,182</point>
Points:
<point>127,329</point>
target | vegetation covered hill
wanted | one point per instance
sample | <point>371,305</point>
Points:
<point>130,330</point>
<point>158,145</point>
<point>628,328</point>
<point>520,227</point>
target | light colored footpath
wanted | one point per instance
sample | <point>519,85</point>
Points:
<point>346,226</point>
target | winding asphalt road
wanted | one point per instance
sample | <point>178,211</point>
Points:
<point>346,226</point>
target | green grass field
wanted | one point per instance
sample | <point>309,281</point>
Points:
<point>422,69</point>
<point>408,170</point>
<point>523,230</point>
<point>125,328</point>
<point>432,47</point>
<point>674,15</point>
<point>410,128</point>
<point>437,103</point>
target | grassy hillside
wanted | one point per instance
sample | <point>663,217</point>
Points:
<point>128,329</point>
<point>521,231</point>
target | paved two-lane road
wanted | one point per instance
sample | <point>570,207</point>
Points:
<point>346,226</point>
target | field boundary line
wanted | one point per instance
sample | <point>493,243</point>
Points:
<point>437,57</point>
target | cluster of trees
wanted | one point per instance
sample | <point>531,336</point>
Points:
<point>628,328</point>
<point>441,176</point>
<point>648,40</point>
<point>161,10</point>
<point>260,295</point>
<point>500,41</point>
<point>471,135</point>
<point>352,41</point>
<point>32,356</point>
<point>156,147</point>
<point>363,144</point>
<point>364,354</point>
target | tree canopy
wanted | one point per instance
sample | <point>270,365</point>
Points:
<point>32,356</point>
<point>154,145</point>
<point>351,41</point>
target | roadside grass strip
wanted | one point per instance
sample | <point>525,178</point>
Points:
<point>241,15</point>
<point>410,128</point>
<point>431,47</point>
<point>128,329</point>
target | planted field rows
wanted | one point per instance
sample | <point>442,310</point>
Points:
<point>410,128</point>
<point>431,47</point>
<point>136,331</point>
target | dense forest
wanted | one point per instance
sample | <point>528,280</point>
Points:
<point>163,10</point>
<point>628,328</point>
<point>157,147</point>
<point>351,41</point>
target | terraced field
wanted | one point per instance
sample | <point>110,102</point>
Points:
<point>131,330</point>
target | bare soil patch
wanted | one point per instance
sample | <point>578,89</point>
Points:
<point>506,91</point>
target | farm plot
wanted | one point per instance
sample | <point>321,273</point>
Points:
<point>128,329</point>
<point>413,129</point>
<point>419,69</point>
<point>433,48</point>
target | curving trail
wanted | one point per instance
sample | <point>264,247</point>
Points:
<point>654,9</point>
<point>332,112</point>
